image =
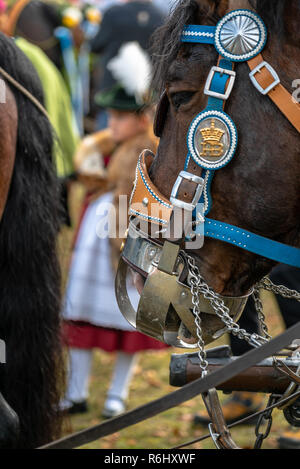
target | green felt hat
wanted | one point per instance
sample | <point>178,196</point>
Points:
<point>117,98</point>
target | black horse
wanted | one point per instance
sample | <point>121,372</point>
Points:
<point>31,380</point>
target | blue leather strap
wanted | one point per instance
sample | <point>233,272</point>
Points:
<point>251,242</point>
<point>199,34</point>
<point>219,80</point>
<point>218,85</point>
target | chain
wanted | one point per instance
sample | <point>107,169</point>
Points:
<point>218,306</point>
<point>199,287</point>
<point>285,292</point>
<point>265,419</point>
<point>260,313</point>
<point>195,286</point>
<point>267,284</point>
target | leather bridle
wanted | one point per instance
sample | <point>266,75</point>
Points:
<point>212,142</point>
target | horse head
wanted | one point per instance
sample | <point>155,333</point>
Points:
<point>242,165</point>
<point>259,190</point>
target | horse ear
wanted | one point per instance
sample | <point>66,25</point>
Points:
<point>161,114</point>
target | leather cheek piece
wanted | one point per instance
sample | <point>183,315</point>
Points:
<point>158,209</point>
<point>161,114</point>
<point>279,95</point>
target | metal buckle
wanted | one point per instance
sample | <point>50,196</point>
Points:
<point>209,80</point>
<point>272,72</point>
<point>192,178</point>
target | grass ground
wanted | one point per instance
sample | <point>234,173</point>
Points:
<point>151,381</point>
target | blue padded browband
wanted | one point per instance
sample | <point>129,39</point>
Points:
<point>199,34</point>
<point>251,242</point>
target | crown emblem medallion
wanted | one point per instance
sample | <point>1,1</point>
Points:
<point>212,139</point>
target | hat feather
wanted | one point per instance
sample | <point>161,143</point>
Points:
<point>132,69</point>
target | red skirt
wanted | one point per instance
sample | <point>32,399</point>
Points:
<point>83,335</point>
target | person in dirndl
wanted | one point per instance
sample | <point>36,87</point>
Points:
<point>106,163</point>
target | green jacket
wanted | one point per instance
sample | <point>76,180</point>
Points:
<point>58,106</point>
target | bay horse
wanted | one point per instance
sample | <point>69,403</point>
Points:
<point>260,189</point>
<point>31,379</point>
<point>248,181</point>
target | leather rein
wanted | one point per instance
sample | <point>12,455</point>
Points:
<point>25,92</point>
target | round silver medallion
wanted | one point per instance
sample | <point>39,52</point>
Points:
<point>240,35</point>
<point>212,139</point>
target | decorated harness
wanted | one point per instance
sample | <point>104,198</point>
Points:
<point>167,306</point>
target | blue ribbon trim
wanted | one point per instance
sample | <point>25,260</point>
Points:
<point>199,34</point>
<point>251,242</point>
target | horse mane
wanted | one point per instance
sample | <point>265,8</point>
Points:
<point>31,380</point>
<point>166,41</point>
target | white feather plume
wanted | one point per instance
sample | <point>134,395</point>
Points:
<point>132,68</point>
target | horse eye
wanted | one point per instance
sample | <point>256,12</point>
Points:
<point>182,97</point>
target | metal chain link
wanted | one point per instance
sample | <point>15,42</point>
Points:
<point>265,419</point>
<point>260,314</point>
<point>198,286</point>
<point>195,286</point>
<point>267,284</point>
<point>219,307</point>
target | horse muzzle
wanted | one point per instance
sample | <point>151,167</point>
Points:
<point>165,309</point>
